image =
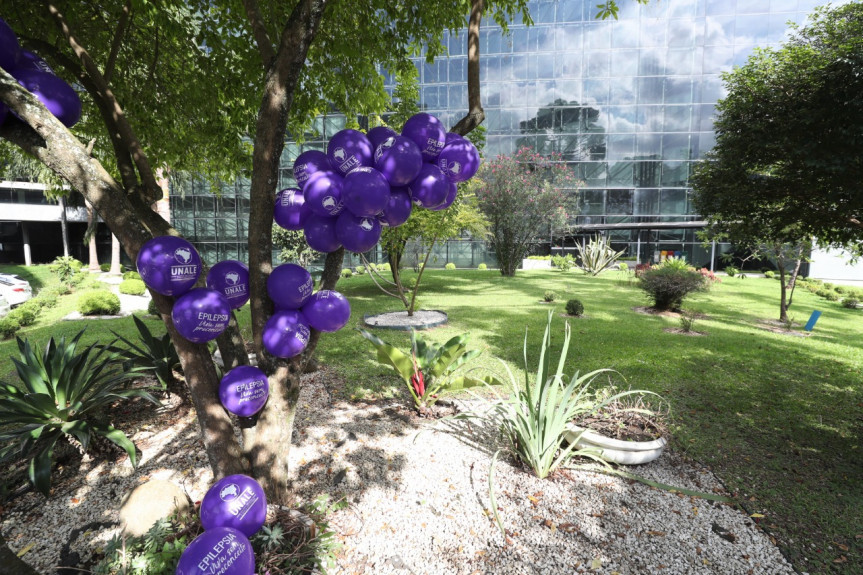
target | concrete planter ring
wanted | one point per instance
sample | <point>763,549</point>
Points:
<point>616,450</point>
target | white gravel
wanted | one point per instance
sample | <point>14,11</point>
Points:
<point>419,504</point>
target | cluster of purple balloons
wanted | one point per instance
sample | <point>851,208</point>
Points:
<point>299,310</point>
<point>171,266</point>
<point>234,509</point>
<point>38,78</point>
<point>365,181</point>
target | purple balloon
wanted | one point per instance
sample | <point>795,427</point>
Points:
<point>379,134</point>
<point>54,93</point>
<point>323,192</point>
<point>244,390</point>
<point>218,547</point>
<point>27,60</point>
<point>169,265</point>
<point>286,333</point>
<point>290,211</point>
<point>399,160</point>
<point>321,234</point>
<point>8,46</point>
<point>201,314</point>
<point>430,188</point>
<point>231,279</point>
<point>237,502</point>
<point>450,198</point>
<point>365,192</point>
<point>398,208</point>
<point>290,286</point>
<point>427,132</point>
<point>349,149</point>
<point>357,234</point>
<point>308,164</point>
<point>452,137</point>
<point>459,160</point>
<point>327,310</point>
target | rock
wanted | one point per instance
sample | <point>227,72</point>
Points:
<point>149,502</point>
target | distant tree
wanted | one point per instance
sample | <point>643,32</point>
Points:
<point>788,157</point>
<point>521,195</point>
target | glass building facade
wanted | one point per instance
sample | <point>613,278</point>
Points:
<point>627,103</point>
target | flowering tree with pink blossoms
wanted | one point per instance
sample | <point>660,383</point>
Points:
<point>522,196</point>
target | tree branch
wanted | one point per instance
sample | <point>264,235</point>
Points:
<point>120,31</point>
<point>475,114</point>
<point>259,30</point>
<point>151,190</point>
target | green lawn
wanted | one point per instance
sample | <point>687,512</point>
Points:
<point>777,417</point>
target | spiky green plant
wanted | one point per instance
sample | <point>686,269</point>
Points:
<point>156,355</point>
<point>430,369</point>
<point>65,393</point>
<point>597,255</point>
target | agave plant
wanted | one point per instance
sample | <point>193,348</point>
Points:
<point>597,255</point>
<point>64,392</point>
<point>155,354</point>
<point>429,370</point>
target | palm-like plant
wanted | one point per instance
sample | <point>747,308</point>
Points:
<point>430,368</point>
<point>154,354</point>
<point>65,391</point>
<point>597,255</point>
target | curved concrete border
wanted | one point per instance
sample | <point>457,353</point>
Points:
<point>397,320</point>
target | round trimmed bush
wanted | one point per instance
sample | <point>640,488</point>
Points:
<point>731,271</point>
<point>105,267</point>
<point>851,303</point>
<point>482,267</point>
<point>347,272</point>
<point>574,307</point>
<point>76,264</point>
<point>9,326</point>
<point>549,296</point>
<point>384,267</point>
<point>667,285</point>
<point>26,313</point>
<point>769,274</point>
<point>131,276</point>
<point>98,302</point>
<point>132,287</point>
<point>450,266</point>
<point>360,270</point>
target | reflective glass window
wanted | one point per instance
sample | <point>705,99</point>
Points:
<point>672,202</point>
<point>646,173</point>
<point>598,63</point>
<point>621,147</point>
<point>593,173</point>
<point>624,63</point>
<point>624,34</point>
<point>650,90</point>
<point>646,202</point>
<point>620,174</point>
<point>719,30</point>
<point>678,91</point>
<point>597,35</point>
<point>675,174</point>
<point>619,202</point>
<point>621,118</point>
<point>677,118</point>
<point>591,202</point>
<point>570,11</point>
<point>721,7</point>
<point>675,147</point>
<point>683,32</point>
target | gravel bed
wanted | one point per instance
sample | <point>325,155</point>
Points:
<point>419,504</point>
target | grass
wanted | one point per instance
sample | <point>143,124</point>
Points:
<point>778,418</point>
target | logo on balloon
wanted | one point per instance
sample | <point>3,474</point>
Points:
<point>434,146</point>
<point>232,278</point>
<point>366,224</point>
<point>182,255</point>
<point>223,554</point>
<point>183,272</point>
<point>340,154</point>
<point>231,490</point>
<point>450,167</point>
<point>346,162</point>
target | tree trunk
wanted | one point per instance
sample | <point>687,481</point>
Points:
<point>64,226</point>
<point>94,254</point>
<point>12,564</point>
<point>475,114</point>
<point>783,301</point>
<point>116,269</point>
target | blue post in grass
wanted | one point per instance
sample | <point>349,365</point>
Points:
<point>812,319</point>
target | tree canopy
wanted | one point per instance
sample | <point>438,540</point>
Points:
<point>788,158</point>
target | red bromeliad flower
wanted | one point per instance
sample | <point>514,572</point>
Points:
<point>417,380</point>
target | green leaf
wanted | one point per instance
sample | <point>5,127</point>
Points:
<point>119,438</point>
<point>39,470</point>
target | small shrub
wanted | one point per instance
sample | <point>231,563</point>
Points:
<point>851,303</point>
<point>731,271</point>
<point>373,267</point>
<point>832,296</point>
<point>623,266</point>
<point>641,268</point>
<point>105,267</point>
<point>9,326</point>
<point>829,285</point>
<point>77,265</point>
<point>385,267</point>
<point>77,278</point>
<point>63,268</point>
<point>840,289</point>
<point>769,274</point>
<point>132,287</point>
<point>549,296</point>
<point>667,284</point>
<point>360,270</point>
<point>98,302</point>
<point>563,263</point>
<point>48,298</point>
<point>482,267</point>
<point>347,272</point>
<point>25,314</point>
<point>131,275</point>
<point>574,307</point>
<point>151,308</point>
<point>449,266</point>
<point>541,258</point>
<point>709,276</point>
<point>687,318</point>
